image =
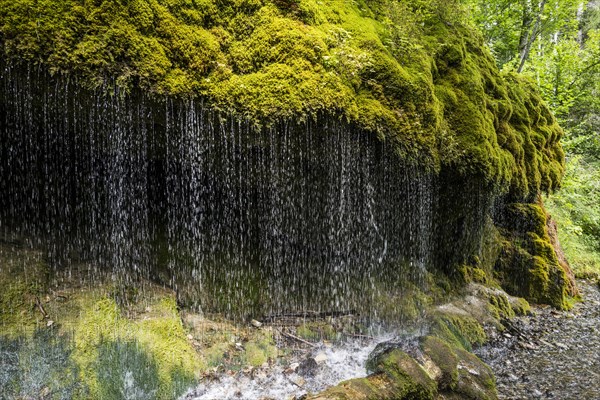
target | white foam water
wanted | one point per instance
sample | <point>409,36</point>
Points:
<point>343,362</point>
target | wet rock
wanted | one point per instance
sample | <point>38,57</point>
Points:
<point>255,323</point>
<point>444,358</point>
<point>293,367</point>
<point>308,367</point>
<point>321,358</point>
<point>298,381</point>
<point>396,376</point>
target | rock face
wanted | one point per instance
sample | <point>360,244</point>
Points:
<point>413,73</point>
<point>475,144</point>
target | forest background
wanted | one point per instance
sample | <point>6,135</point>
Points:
<point>557,44</point>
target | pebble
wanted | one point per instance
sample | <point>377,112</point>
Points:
<point>255,323</point>
<point>321,358</point>
<point>551,354</point>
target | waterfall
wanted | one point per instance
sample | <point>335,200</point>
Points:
<point>237,218</point>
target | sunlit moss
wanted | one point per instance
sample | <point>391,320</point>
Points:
<point>460,330</point>
<point>260,351</point>
<point>23,279</point>
<point>414,73</point>
<point>160,336</point>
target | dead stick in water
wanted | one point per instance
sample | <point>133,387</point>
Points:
<point>290,336</point>
<point>310,314</point>
<point>356,335</point>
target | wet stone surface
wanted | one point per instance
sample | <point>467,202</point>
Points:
<point>551,354</point>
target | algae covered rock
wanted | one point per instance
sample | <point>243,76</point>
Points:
<point>528,265</point>
<point>396,375</point>
<point>436,370</point>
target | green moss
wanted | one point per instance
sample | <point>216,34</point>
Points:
<point>414,73</point>
<point>24,281</point>
<point>457,329</point>
<point>442,354</point>
<point>500,307</point>
<point>216,354</point>
<point>160,337</point>
<point>476,380</point>
<point>528,265</point>
<point>317,330</point>
<point>260,351</point>
<point>404,372</point>
<point>403,302</point>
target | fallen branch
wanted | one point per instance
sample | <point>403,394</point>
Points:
<point>290,336</point>
<point>309,314</point>
<point>356,335</point>
<point>40,307</point>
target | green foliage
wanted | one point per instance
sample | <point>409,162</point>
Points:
<point>576,208</point>
<point>564,63</point>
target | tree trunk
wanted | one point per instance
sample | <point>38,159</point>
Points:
<point>529,33</point>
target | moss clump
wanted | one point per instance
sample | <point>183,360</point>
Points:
<point>528,265</point>
<point>260,351</point>
<point>415,72</point>
<point>159,337</point>
<point>442,354</point>
<point>317,330</point>
<point>500,307</point>
<point>460,330</point>
<point>24,280</point>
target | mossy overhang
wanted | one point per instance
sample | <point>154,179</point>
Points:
<point>416,73</point>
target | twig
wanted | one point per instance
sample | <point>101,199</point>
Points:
<point>290,336</point>
<point>309,314</point>
<point>38,303</point>
<point>356,335</point>
<point>291,381</point>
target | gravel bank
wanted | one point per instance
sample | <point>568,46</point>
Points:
<point>551,354</point>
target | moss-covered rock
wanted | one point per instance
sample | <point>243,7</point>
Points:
<point>416,73</point>
<point>528,265</point>
<point>395,375</point>
<point>475,379</point>
<point>458,328</point>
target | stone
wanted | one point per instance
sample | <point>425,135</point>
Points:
<point>321,358</point>
<point>256,323</point>
<point>308,367</point>
<point>298,381</point>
